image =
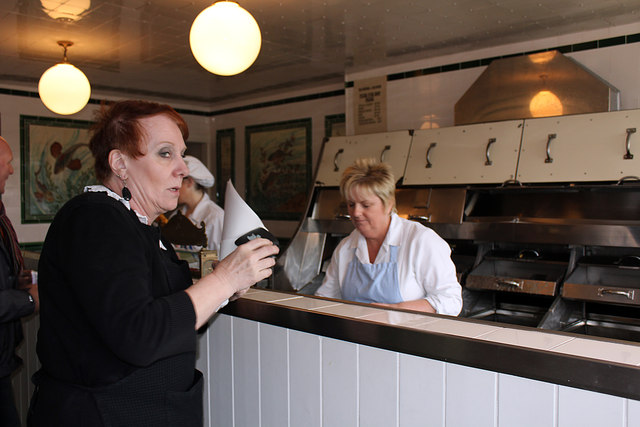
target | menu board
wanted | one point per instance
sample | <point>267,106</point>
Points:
<point>370,103</point>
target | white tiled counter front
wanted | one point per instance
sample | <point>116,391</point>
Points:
<point>273,359</point>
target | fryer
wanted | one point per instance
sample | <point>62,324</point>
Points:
<point>542,216</point>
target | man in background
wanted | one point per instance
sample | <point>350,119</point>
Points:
<point>18,297</point>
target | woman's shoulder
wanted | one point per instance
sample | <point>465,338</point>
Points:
<point>207,211</point>
<point>214,207</point>
<point>415,231</point>
<point>409,226</point>
<point>350,241</point>
<point>92,205</point>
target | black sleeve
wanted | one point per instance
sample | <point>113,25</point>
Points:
<point>14,303</point>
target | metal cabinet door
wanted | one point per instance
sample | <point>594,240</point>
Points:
<point>584,147</point>
<point>340,152</point>
<point>471,154</point>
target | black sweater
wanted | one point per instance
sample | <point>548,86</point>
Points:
<point>112,308</point>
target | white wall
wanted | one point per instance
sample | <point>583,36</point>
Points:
<point>263,375</point>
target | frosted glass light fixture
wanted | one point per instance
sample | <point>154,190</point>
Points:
<point>545,104</point>
<point>225,39</point>
<point>67,10</point>
<point>63,88</point>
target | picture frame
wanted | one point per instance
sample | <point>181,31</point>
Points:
<point>278,168</point>
<point>56,164</point>
<point>225,161</point>
<point>335,125</point>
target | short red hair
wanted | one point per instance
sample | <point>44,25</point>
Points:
<point>118,127</point>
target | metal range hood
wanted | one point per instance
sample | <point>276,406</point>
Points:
<point>537,85</point>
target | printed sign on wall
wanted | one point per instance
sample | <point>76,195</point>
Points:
<point>370,103</point>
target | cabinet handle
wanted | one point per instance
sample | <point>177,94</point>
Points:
<point>628,260</point>
<point>602,292</point>
<point>511,182</point>
<point>343,216</point>
<point>512,283</point>
<point>627,178</point>
<point>424,218</point>
<point>384,150</point>
<point>528,254</point>
<point>628,155</point>
<point>429,164</point>
<point>549,138</point>
<point>336,168</point>
<point>488,162</point>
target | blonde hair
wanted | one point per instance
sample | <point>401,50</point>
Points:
<point>370,175</point>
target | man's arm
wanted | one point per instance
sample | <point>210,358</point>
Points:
<point>14,302</point>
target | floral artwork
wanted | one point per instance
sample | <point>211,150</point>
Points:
<point>279,168</point>
<point>56,164</point>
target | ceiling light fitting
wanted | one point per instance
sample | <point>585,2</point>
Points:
<point>63,88</point>
<point>225,39</point>
<point>65,10</point>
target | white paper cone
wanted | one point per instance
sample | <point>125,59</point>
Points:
<point>239,219</point>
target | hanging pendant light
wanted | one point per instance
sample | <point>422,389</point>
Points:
<point>63,88</point>
<point>65,10</point>
<point>225,39</point>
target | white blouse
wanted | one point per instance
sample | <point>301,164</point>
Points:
<point>212,215</point>
<point>425,268</point>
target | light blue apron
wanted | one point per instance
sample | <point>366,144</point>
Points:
<point>373,282</point>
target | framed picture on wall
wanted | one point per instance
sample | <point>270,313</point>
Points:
<point>56,164</point>
<point>278,168</point>
<point>335,125</point>
<point>225,161</point>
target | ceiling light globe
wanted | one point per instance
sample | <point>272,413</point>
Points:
<point>64,89</point>
<point>68,10</point>
<point>225,39</point>
<point>545,104</point>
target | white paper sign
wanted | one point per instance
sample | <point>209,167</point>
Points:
<point>370,105</point>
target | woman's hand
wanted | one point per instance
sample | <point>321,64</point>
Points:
<point>247,265</point>
<point>238,294</point>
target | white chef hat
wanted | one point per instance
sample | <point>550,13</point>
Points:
<point>199,172</point>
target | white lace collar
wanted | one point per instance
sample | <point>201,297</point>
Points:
<point>102,189</point>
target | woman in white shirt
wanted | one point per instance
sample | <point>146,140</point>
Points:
<point>388,260</point>
<point>195,204</point>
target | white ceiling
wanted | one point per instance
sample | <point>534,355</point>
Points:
<point>140,47</point>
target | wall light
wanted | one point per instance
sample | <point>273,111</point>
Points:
<point>225,39</point>
<point>63,88</point>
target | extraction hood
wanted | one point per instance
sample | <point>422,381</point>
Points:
<point>537,85</point>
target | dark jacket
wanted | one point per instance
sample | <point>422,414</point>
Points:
<point>14,304</point>
<point>116,340</point>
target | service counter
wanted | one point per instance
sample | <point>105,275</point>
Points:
<point>278,358</point>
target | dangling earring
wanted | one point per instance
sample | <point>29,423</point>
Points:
<point>126,194</point>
